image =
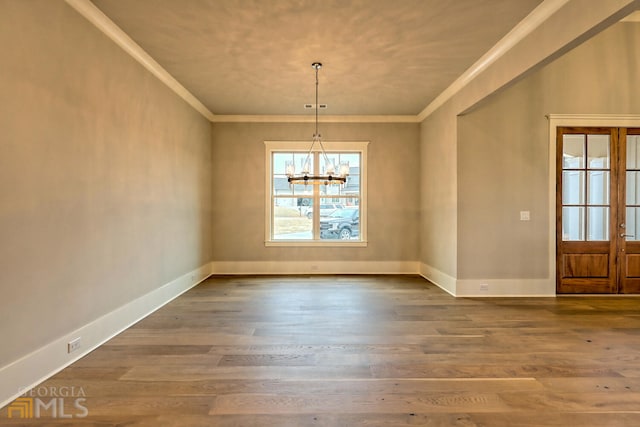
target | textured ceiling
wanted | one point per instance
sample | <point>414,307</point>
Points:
<point>380,57</point>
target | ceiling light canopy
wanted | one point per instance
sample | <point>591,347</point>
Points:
<point>329,173</point>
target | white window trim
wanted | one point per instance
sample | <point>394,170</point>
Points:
<point>329,146</point>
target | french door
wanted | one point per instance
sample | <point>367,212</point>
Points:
<point>598,210</point>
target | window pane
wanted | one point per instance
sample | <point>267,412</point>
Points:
<point>290,220</point>
<point>351,187</point>
<point>573,151</point>
<point>633,186</point>
<point>353,184</point>
<point>598,187</point>
<point>330,190</point>
<point>341,224</point>
<point>281,186</point>
<point>328,205</point>
<point>279,161</point>
<point>352,158</point>
<point>573,187</point>
<point>303,190</point>
<point>303,163</point>
<point>298,160</point>
<point>305,206</point>
<point>598,224</point>
<point>573,223</point>
<point>329,164</point>
<point>633,151</point>
<point>632,223</point>
<point>598,150</point>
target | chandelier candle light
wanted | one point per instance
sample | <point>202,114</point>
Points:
<point>329,176</point>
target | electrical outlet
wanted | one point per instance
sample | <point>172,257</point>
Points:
<point>73,345</point>
<point>484,287</point>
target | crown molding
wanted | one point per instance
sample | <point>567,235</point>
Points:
<point>220,118</point>
<point>94,15</point>
<point>532,21</point>
<point>115,33</point>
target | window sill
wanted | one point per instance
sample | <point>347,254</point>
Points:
<point>311,244</point>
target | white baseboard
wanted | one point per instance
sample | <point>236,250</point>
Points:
<point>314,267</point>
<point>506,288</point>
<point>489,287</point>
<point>442,280</point>
<point>33,368</point>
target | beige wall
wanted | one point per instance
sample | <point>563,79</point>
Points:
<point>502,170</point>
<point>105,177</point>
<point>447,250</point>
<point>239,192</point>
<point>503,149</point>
<point>438,184</point>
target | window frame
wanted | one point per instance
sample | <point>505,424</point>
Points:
<point>272,147</point>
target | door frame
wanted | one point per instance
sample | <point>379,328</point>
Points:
<point>572,120</point>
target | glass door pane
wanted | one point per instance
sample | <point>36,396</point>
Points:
<point>632,175</point>
<point>573,223</point>
<point>586,182</point>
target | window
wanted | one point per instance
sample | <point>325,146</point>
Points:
<point>315,215</point>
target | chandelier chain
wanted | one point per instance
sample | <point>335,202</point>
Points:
<point>330,176</point>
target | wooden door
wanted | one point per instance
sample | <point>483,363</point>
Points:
<point>629,217</point>
<point>598,210</point>
<point>587,210</point>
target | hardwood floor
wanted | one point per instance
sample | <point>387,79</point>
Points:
<point>362,351</point>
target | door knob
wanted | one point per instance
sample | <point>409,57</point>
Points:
<point>627,235</point>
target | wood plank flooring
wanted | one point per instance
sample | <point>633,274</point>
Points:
<point>362,351</point>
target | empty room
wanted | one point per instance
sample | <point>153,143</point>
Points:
<point>320,213</point>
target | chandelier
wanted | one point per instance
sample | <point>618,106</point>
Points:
<point>329,175</point>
